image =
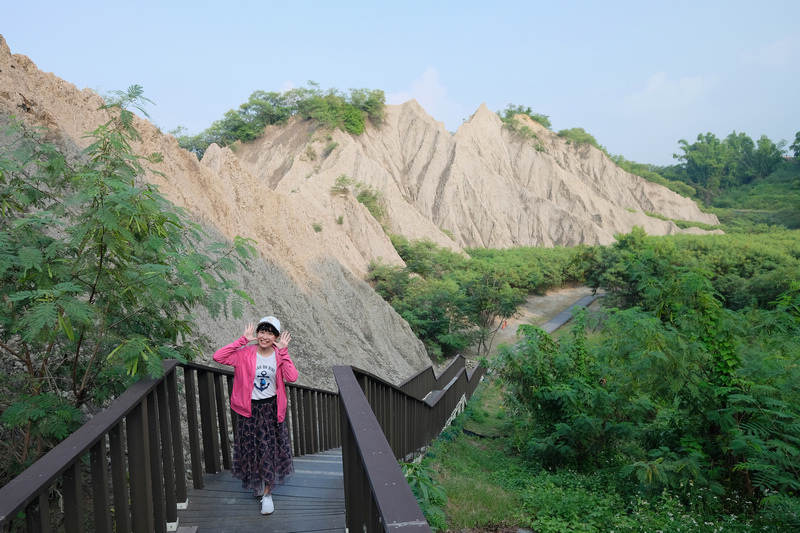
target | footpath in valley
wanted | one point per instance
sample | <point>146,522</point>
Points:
<point>549,311</point>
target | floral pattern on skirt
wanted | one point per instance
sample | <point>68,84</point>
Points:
<point>262,451</point>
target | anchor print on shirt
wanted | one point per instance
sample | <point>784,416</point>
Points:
<point>262,381</point>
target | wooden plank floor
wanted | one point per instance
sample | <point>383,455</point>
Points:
<point>311,500</point>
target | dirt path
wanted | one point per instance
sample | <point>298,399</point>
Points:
<point>537,310</point>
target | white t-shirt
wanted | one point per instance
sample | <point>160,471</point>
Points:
<point>264,384</point>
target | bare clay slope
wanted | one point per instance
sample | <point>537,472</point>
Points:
<point>484,185</point>
<point>304,277</point>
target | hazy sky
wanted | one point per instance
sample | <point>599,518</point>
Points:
<point>639,75</point>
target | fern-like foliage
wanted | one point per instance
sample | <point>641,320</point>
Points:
<point>100,274</point>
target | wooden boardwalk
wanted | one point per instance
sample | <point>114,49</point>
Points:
<point>311,500</point>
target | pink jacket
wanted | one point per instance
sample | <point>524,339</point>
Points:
<point>243,360</point>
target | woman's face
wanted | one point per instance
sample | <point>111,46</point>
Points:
<point>265,338</point>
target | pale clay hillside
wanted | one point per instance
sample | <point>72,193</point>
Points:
<point>483,185</point>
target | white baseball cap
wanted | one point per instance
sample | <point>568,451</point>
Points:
<point>271,320</point>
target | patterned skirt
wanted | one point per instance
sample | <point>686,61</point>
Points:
<point>262,451</point>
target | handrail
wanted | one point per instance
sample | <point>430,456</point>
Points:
<point>422,383</point>
<point>410,423</point>
<point>377,494</point>
<point>138,471</point>
<point>382,424</point>
<point>138,406</point>
<point>136,436</point>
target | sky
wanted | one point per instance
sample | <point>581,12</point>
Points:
<point>639,75</point>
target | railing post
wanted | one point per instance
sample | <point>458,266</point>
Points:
<point>189,375</point>
<point>98,459</point>
<point>167,453</point>
<point>119,478</point>
<point>296,407</point>
<point>234,414</point>
<point>74,520</point>
<point>209,422</point>
<point>176,438</point>
<point>222,420</point>
<point>156,470</point>
<point>308,430</point>
<point>37,515</point>
<point>140,474</point>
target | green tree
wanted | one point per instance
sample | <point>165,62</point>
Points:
<point>433,309</point>
<point>795,147</point>
<point>373,103</point>
<point>714,165</point>
<point>489,299</point>
<point>767,157</point>
<point>706,161</point>
<point>100,275</point>
<point>266,108</point>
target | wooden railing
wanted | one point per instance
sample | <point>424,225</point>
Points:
<point>382,424</point>
<point>126,468</point>
<point>420,385</point>
<point>135,477</point>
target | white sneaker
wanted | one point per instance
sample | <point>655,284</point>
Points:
<point>267,507</point>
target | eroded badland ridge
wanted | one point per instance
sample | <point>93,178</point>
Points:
<point>483,185</point>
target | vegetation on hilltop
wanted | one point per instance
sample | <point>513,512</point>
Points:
<point>508,115</point>
<point>331,108</point>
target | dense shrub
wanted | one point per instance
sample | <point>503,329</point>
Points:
<point>694,399</point>
<point>331,109</point>
<point>511,111</point>
<point>580,136</point>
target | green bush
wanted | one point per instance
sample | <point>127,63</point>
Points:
<point>372,200</point>
<point>522,131</point>
<point>331,109</point>
<point>429,494</point>
<point>511,111</point>
<point>693,391</point>
<point>342,184</point>
<point>580,136</point>
<point>330,147</point>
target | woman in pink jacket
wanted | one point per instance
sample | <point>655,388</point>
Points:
<point>262,451</point>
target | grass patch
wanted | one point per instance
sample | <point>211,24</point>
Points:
<point>469,470</point>
<point>486,414</point>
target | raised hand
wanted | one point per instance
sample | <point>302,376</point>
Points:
<point>283,340</point>
<point>250,332</point>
